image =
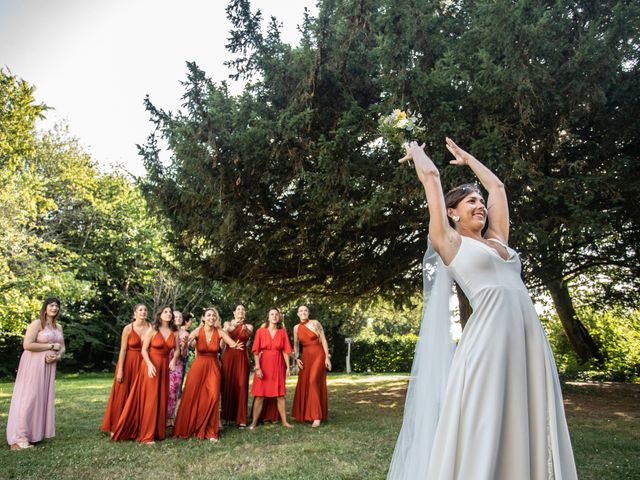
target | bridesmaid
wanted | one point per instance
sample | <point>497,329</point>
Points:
<point>128,365</point>
<point>144,415</point>
<point>184,351</point>
<point>176,375</point>
<point>32,411</point>
<point>270,404</point>
<point>235,370</point>
<point>198,413</point>
<point>271,350</point>
<point>310,399</point>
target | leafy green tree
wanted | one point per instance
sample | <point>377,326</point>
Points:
<point>284,191</point>
<point>18,114</point>
<point>547,89</point>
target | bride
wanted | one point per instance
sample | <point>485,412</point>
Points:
<point>490,408</point>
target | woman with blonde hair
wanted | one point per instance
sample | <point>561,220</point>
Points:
<point>198,413</point>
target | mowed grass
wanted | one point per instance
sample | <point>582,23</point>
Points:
<point>357,442</point>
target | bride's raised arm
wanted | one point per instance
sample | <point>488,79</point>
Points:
<point>497,205</point>
<point>445,240</point>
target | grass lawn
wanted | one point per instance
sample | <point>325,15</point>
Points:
<point>357,443</point>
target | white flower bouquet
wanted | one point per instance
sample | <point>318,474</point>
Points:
<point>400,127</point>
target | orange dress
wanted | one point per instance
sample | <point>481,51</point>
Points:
<point>198,413</point>
<point>120,391</point>
<point>310,399</point>
<point>272,383</point>
<point>235,378</point>
<point>145,413</point>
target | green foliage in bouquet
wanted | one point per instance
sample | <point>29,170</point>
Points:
<point>400,127</point>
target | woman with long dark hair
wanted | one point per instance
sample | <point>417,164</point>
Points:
<point>271,350</point>
<point>128,366</point>
<point>32,411</point>
<point>145,412</point>
<point>177,374</point>
<point>490,408</point>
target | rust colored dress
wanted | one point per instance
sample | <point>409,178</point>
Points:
<point>120,391</point>
<point>235,378</point>
<point>272,383</point>
<point>310,399</point>
<point>199,410</point>
<point>145,412</point>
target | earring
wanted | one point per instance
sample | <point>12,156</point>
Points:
<point>455,218</point>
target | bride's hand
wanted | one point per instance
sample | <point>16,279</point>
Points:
<point>412,149</point>
<point>422,162</point>
<point>462,157</point>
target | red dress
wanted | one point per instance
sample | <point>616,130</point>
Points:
<point>199,408</point>
<point>310,399</point>
<point>145,413</point>
<point>120,391</point>
<point>235,378</point>
<point>272,383</point>
<point>269,409</point>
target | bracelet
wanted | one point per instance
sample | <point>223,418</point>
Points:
<point>256,369</point>
<point>51,346</point>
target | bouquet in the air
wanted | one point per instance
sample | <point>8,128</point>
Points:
<point>400,127</point>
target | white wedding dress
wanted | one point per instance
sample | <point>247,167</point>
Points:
<point>501,415</point>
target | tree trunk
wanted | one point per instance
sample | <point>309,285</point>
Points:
<point>578,335</point>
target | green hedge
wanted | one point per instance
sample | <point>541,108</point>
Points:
<point>393,354</point>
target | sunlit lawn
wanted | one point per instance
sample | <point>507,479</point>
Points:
<point>356,443</point>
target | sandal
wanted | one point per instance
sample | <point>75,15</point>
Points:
<point>21,446</point>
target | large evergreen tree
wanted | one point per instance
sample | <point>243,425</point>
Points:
<point>283,191</point>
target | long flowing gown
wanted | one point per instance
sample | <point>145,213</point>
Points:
<point>120,391</point>
<point>175,377</point>
<point>503,415</point>
<point>235,378</point>
<point>310,399</point>
<point>273,381</point>
<point>32,414</point>
<point>144,415</point>
<point>198,413</point>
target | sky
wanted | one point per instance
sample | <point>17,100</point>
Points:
<point>93,62</point>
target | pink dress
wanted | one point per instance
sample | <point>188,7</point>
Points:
<point>175,378</point>
<point>32,412</point>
